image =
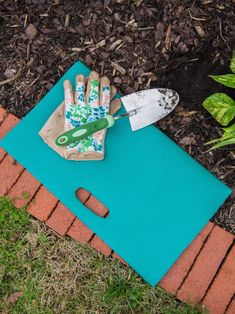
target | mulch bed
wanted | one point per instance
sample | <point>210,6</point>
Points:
<point>138,44</point>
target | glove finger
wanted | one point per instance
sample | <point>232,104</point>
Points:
<point>113,91</point>
<point>82,110</point>
<point>92,91</point>
<point>92,96</point>
<point>115,105</point>
<point>68,93</point>
<point>80,90</point>
<point>68,104</point>
<point>104,96</point>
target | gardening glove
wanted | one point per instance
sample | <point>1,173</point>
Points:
<point>90,102</point>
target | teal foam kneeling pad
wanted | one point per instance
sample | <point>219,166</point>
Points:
<point>159,198</point>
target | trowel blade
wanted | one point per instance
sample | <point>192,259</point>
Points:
<point>151,105</point>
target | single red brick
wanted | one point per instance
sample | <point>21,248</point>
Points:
<point>61,219</point>
<point>3,114</point>
<point>83,195</point>
<point>2,153</point>
<point>223,287</point>
<point>96,206</point>
<point>80,232</point>
<point>26,184</point>
<point>8,123</point>
<point>100,246</point>
<point>177,273</point>
<point>42,204</point>
<point>10,170</point>
<point>115,255</point>
<point>205,266</point>
<point>231,308</point>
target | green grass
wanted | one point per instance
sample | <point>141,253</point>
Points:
<point>43,273</point>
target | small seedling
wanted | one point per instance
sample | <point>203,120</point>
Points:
<point>227,138</point>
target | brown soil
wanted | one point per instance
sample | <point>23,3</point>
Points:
<point>138,44</point>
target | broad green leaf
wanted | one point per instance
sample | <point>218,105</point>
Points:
<point>232,64</point>
<point>226,79</point>
<point>221,107</point>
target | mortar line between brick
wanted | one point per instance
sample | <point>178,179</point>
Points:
<point>106,215</point>
<point>4,117</point>
<point>70,226</point>
<point>203,244</point>
<point>31,198</point>
<point>14,182</point>
<point>89,196</point>
<point>93,235</point>
<point>34,195</point>
<point>3,157</point>
<point>53,212</point>
<point>218,270</point>
<point>230,302</point>
<point>53,209</point>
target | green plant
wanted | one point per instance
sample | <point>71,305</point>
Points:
<point>227,138</point>
<point>222,108</point>
<point>121,288</point>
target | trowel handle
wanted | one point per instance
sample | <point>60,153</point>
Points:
<point>81,132</point>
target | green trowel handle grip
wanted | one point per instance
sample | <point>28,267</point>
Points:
<point>81,132</point>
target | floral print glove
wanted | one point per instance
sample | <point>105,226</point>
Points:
<point>91,100</point>
<point>89,103</point>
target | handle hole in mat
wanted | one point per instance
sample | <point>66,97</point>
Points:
<point>92,203</point>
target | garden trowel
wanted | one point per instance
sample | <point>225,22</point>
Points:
<point>143,108</point>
